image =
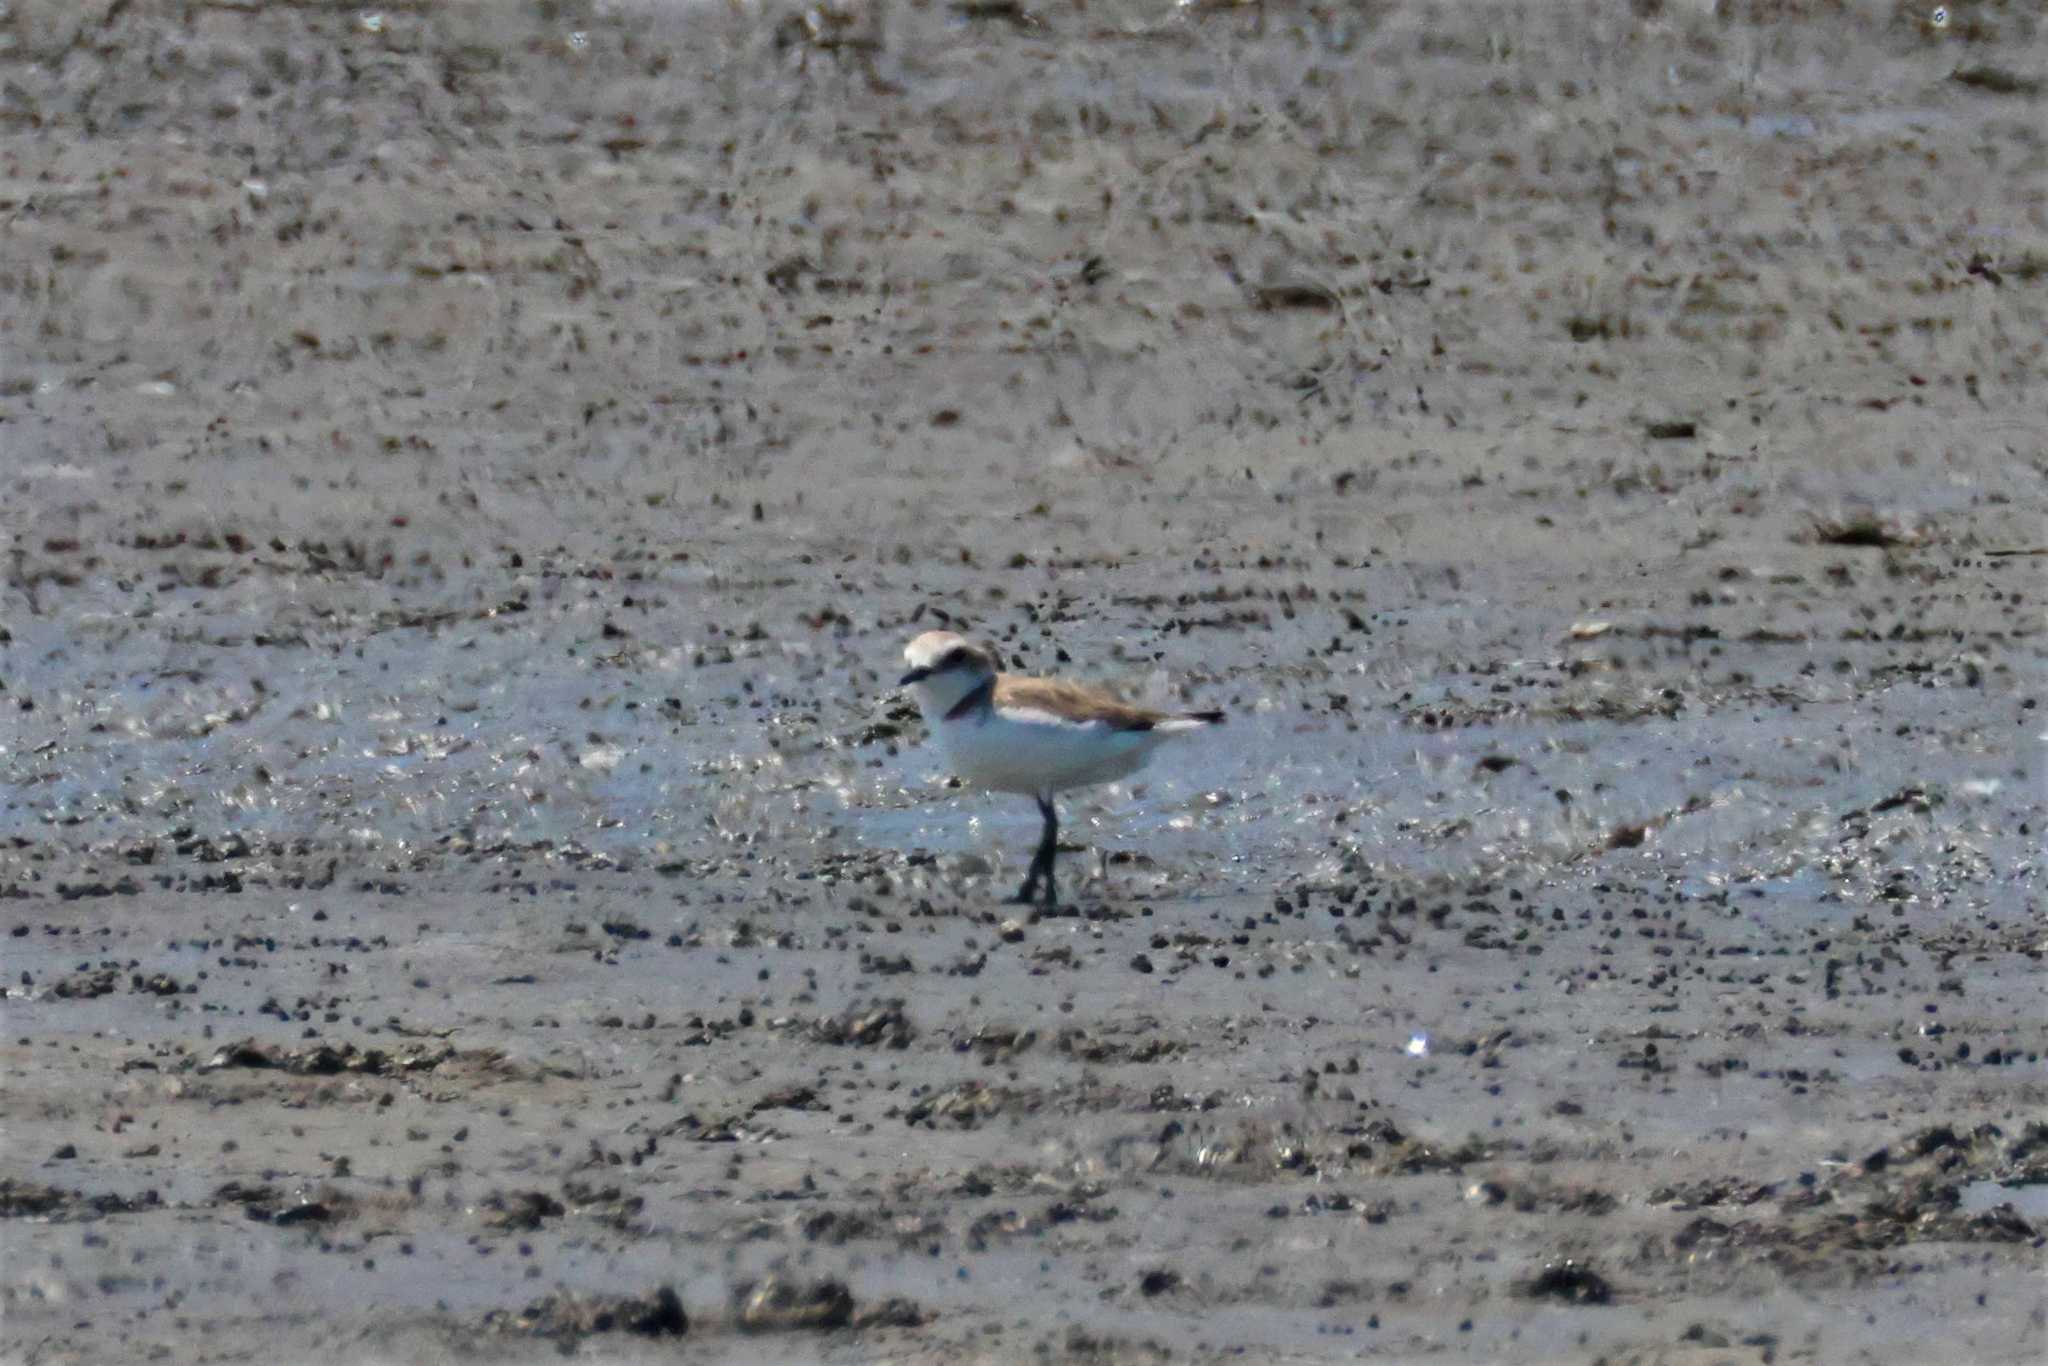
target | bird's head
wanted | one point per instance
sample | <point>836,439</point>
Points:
<point>944,669</point>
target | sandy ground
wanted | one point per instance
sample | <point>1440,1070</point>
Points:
<point>469,891</point>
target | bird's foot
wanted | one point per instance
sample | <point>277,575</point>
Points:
<point>1028,895</point>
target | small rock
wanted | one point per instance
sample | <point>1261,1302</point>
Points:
<point>1157,1282</point>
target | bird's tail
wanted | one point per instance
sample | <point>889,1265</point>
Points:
<point>1190,720</point>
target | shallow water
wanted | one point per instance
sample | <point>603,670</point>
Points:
<point>407,736</point>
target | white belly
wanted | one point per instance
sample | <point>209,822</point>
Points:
<point>1005,754</point>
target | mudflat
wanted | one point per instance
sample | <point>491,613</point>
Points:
<point>469,889</point>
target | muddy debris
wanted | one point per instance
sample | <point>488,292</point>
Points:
<point>883,1024</point>
<point>892,1311</point>
<point>320,1060</point>
<point>657,1314</point>
<point>304,1212</point>
<point>35,1199</point>
<point>266,1204</point>
<point>780,1305</point>
<point>1569,1281</point>
<point>1996,80</point>
<point>83,986</point>
<point>968,1105</point>
<point>520,1211</point>
<point>1865,529</point>
<point>994,1043</point>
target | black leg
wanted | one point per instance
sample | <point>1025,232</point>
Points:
<point>1042,860</point>
<point>1049,849</point>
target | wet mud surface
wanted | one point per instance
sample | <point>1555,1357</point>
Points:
<point>469,891</point>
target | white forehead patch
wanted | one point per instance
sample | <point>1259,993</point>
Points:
<point>929,648</point>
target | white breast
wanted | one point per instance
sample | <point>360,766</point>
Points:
<point>1030,751</point>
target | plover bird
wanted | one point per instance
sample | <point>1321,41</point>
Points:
<point>1037,736</point>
